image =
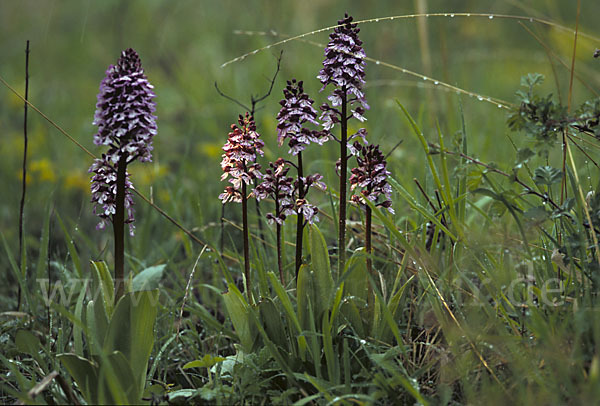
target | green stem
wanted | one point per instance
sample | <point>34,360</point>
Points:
<point>300,220</point>
<point>368,249</point>
<point>246,244</point>
<point>343,170</point>
<point>119,229</point>
<point>279,263</point>
<point>368,246</point>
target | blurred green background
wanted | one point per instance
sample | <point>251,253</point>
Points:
<point>183,44</point>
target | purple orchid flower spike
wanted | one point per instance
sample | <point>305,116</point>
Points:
<point>297,110</point>
<point>371,176</point>
<point>344,68</point>
<point>239,158</point>
<point>126,124</point>
<point>241,169</point>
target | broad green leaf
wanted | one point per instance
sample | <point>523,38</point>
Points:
<point>103,283</point>
<point>207,361</point>
<point>304,295</point>
<point>85,373</point>
<point>355,278</point>
<point>323,281</point>
<point>97,323</point>
<point>237,307</point>
<point>131,331</point>
<point>180,394</point>
<point>497,209</point>
<point>271,320</point>
<point>77,330</point>
<point>333,370</point>
<point>474,179</point>
<point>351,312</point>
<point>337,303</point>
<point>108,380</point>
<point>285,301</point>
<point>118,382</point>
<point>149,278</point>
<point>27,342</point>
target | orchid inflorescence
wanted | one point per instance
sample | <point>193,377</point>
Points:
<point>344,67</point>
<point>239,160</point>
<point>371,176</point>
<point>284,189</point>
<point>126,124</point>
<point>279,186</point>
<point>104,192</point>
<point>296,110</point>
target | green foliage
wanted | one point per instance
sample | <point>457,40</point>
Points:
<point>116,371</point>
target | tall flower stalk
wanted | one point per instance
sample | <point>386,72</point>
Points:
<point>279,186</point>
<point>343,67</point>
<point>126,124</point>
<point>240,166</point>
<point>296,111</point>
<point>283,190</point>
<point>370,175</point>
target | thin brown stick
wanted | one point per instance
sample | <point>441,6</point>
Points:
<point>41,385</point>
<point>24,173</point>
